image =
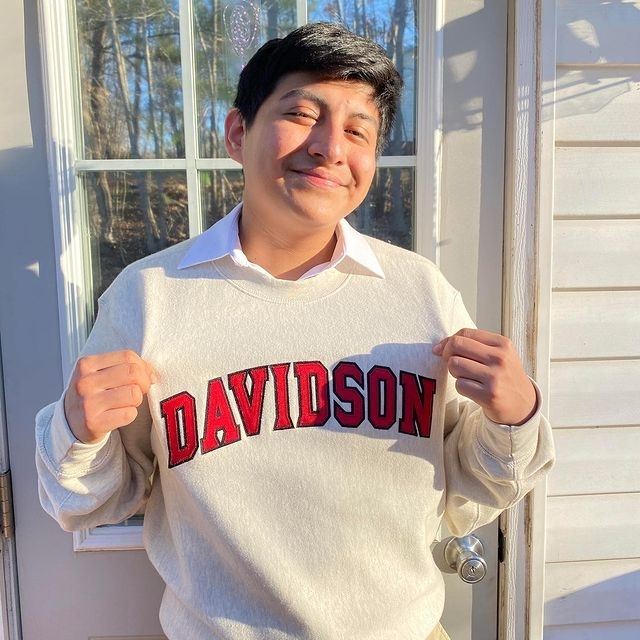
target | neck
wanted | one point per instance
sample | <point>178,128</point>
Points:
<point>285,256</point>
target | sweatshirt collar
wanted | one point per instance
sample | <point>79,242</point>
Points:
<point>222,240</point>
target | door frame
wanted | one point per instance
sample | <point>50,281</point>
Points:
<point>10,627</point>
<point>527,288</point>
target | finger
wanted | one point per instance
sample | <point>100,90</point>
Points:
<point>130,373</point>
<point>99,412</point>
<point>473,390</point>
<point>466,368</point>
<point>488,338</point>
<point>94,363</point>
<point>117,375</point>
<point>118,398</point>
<point>473,380</point>
<point>91,363</point>
<point>465,347</point>
<point>114,419</point>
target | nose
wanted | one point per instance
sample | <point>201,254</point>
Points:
<point>327,142</point>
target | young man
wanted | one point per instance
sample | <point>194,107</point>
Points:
<point>297,406</point>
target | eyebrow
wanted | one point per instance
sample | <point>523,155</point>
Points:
<point>316,99</point>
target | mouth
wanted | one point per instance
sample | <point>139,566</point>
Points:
<point>319,178</point>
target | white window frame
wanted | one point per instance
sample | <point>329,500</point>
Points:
<point>63,134</point>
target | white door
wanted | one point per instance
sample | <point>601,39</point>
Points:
<point>54,263</point>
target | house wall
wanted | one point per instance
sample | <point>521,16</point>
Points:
<point>592,586</point>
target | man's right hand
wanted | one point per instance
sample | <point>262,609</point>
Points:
<point>105,392</point>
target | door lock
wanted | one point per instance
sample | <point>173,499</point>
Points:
<point>465,556</point>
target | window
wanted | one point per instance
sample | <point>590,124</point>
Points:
<point>137,93</point>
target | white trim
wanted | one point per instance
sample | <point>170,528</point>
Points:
<point>204,164</point>
<point>68,216</point>
<point>112,538</point>
<point>397,161</point>
<point>544,252</point>
<point>526,290</point>
<point>429,106</point>
<point>196,221</point>
<point>68,222</point>
<point>302,15</point>
<point>147,164</point>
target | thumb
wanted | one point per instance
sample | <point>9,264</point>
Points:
<point>438,348</point>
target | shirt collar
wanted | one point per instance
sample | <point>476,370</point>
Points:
<point>222,240</point>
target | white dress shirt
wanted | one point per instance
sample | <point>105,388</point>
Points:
<point>223,239</point>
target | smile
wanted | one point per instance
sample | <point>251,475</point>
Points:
<point>319,178</point>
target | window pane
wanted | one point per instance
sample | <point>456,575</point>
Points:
<point>392,24</point>
<point>226,35</point>
<point>132,214</point>
<point>220,192</point>
<point>130,78</point>
<point>387,213</point>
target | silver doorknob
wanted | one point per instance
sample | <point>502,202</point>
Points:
<point>464,555</point>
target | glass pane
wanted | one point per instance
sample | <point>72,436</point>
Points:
<point>130,78</point>
<point>392,24</point>
<point>387,212</point>
<point>226,35</point>
<point>220,192</point>
<point>132,214</point>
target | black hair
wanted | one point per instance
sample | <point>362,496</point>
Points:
<point>332,52</point>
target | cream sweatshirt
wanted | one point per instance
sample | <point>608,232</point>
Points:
<point>299,450</point>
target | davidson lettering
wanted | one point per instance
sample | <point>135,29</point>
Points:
<point>347,394</point>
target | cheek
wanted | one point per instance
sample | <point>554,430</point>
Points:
<point>365,171</point>
<point>285,140</point>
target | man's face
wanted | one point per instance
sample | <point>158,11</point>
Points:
<point>309,156</point>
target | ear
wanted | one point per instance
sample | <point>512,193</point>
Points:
<point>234,130</point>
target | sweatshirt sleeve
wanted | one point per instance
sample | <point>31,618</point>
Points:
<point>488,466</point>
<point>87,485</point>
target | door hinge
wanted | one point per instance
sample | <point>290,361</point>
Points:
<point>6,505</point>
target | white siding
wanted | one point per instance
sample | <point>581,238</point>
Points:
<point>587,454</point>
<point>595,393</point>
<point>590,254</point>
<point>592,586</point>
<point>602,595</point>
<point>608,104</point>
<point>598,180</point>
<point>595,324</point>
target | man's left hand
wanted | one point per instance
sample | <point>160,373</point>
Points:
<point>489,372</point>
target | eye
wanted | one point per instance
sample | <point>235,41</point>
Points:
<point>302,115</point>
<point>362,136</point>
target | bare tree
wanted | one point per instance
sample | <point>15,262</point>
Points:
<point>96,128</point>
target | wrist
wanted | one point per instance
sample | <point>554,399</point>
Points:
<point>525,411</point>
